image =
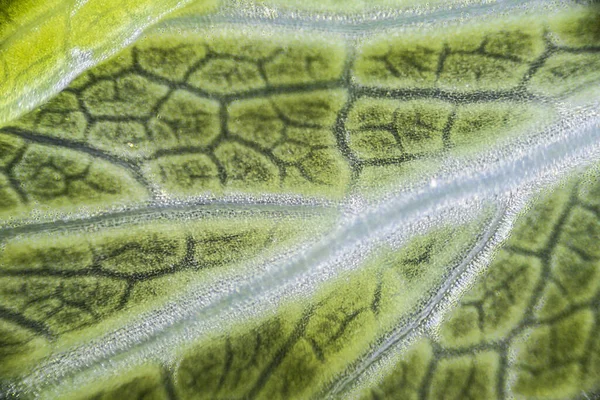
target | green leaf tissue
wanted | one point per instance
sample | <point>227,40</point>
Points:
<point>282,199</point>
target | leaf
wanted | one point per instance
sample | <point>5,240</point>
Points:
<point>230,208</point>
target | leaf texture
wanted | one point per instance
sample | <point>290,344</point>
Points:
<point>233,207</point>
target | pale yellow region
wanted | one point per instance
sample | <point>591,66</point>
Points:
<point>55,40</point>
<point>14,15</point>
<point>32,54</point>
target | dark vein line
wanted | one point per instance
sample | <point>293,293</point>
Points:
<point>29,324</point>
<point>12,179</point>
<point>169,384</point>
<point>281,353</point>
<point>455,97</point>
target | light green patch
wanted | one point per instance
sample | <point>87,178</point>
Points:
<point>548,358</point>
<point>482,125</point>
<point>62,36</point>
<point>409,372</point>
<point>385,129</point>
<point>579,28</point>
<point>471,377</point>
<point>535,226</point>
<point>404,61</point>
<point>185,175</point>
<point>45,42</point>
<point>147,382</point>
<point>63,178</point>
<point>564,73</point>
<point>167,56</point>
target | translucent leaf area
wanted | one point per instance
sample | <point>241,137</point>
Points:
<point>44,44</point>
<point>300,200</point>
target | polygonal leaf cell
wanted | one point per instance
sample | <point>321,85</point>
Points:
<point>58,177</point>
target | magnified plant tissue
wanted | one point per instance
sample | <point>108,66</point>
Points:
<point>299,200</point>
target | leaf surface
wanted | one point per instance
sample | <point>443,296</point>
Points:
<point>235,208</point>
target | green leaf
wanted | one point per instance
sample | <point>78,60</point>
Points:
<point>237,207</point>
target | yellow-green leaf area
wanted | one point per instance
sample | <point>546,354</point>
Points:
<point>42,42</point>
